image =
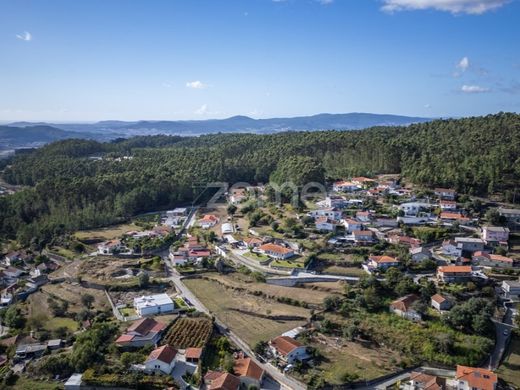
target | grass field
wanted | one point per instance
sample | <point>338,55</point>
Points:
<point>237,280</point>
<point>287,264</point>
<point>251,318</point>
<point>256,256</point>
<point>509,370</point>
<point>108,233</point>
<point>58,322</point>
<point>345,271</point>
<point>24,383</point>
<point>352,358</point>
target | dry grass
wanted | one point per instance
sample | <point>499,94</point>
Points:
<point>251,318</point>
<point>309,295</point>
<point>347,358</point>
<point>108,233</point>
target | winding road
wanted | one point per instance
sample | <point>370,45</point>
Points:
<point>283,380</point>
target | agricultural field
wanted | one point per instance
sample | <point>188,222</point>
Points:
<point>252,318</point>
<point>189,332</point>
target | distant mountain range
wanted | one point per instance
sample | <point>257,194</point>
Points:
<point>23,134</point>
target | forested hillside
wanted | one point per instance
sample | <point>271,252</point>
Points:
<point>69,190</point>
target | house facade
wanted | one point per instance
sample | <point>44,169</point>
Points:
<point>454,273</point>
<point>403,307</point>
<point>153,304</point>
<point>145,331</point>
<point>440,303</point>
<point>472,378</point>
<point>495,234</point>
<point>161,360</point>
<point>288,349</point>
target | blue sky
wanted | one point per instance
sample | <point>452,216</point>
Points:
<point>96,60</point>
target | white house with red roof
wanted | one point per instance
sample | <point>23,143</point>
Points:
<point>276,251</point>
<point>145,331</point>
<point>345,186</point>
<point>110,247</point>
<point>363,216</point>
<point>288,349</point>
<point>404,307</point>
<point>381,263</point>
<point>440,303</point>
<point>326,224</point>
<point>472,378</point>
<point>161,360</point>
<point>249,373</point>
<point>362,237</point>
<point>208,221</point>
<point>454,273</point>
<point>352,224</point>
<point>492,260</point>
<point>218,380</point>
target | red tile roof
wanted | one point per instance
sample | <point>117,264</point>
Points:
<point>145,326</point>
<point>438,298</point>
<point>274,248</point>
<point>384,259</point>
<point>247,367</point>
<point>455,269</point>
<point>165,354</point>
<point>477,378</point>
<point>285,344</point>
<point>225,381</point>
<point>405,303</point>
<point>193,353</point>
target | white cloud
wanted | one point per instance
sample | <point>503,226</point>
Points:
<point>427,106</point>
<point>325,2</point>
<point>196,84</point>
<point>473,7</point>
<point>474,89</point>
<point>463,64</point>
<point>26,36</point>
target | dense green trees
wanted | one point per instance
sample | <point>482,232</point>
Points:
<point>71,188</point>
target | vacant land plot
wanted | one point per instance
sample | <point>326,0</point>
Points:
<point>72,293</point>
<point>251,318</point>
<point>509,370</point>
<point>236,280</point>
<point>344,271</point>
<point>344,359</point>
<point>108,233</point>
<point>189,332</point>
<point>38,307</point>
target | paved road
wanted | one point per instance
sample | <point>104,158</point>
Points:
<point>284,380</point>
<point>502,340</point>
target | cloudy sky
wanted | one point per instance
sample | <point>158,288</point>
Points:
<point>97,60</point>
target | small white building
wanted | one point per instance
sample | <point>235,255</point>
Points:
<point>495,234</point>
<point>511,289</point>
<point>419,254</point>
<point>227,228</point>
<point>161,360</point>
<point>153,304</point>
<point>330,213</point>
<point>403,307</point>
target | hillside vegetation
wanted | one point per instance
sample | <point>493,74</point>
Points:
<point>68,190</point>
